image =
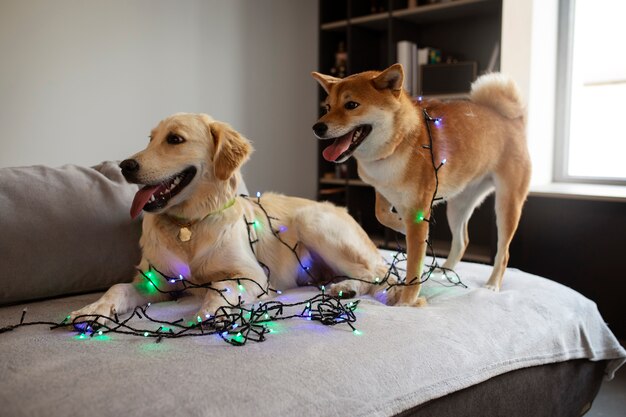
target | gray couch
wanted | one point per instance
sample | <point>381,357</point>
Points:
<point>536,348</point>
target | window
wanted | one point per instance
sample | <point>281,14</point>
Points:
<point>591,92</point>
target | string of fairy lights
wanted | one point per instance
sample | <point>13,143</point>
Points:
<point>237,322</point>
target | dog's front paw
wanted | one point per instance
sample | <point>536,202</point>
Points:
<point>419,302</point>
<point>387,295</point>
<point>207,312</point>
<point>99,312</point>
<point>344,289</point>
<point>214,313</point>
<point>395,296</point>
<point>492,287</point>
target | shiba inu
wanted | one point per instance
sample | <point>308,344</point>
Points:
<point>195,227</point>
<point>482,142</point>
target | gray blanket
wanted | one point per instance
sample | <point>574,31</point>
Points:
<point>403,356</point>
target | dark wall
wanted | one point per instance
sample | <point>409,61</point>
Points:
<point>581,244</point>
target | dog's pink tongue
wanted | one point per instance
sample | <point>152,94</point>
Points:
<point>339,146</point>
<point>141,198</point>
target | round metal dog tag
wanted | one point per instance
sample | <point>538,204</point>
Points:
<point>184,234</point>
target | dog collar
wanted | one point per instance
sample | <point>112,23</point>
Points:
<point>184,232</point>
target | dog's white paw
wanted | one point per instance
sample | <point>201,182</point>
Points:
<point>492,287</point>
<point>389,296</point>
<point>207,312</point>
<point>437,275</point>
<point>214,312</point>
<point>419,302</point>
<point>393,297</point>
<point>97,312</point>
<point>344,289</point>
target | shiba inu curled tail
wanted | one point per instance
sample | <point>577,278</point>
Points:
<point>482,142</point>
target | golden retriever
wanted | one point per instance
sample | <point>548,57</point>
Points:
<point>196,228</point>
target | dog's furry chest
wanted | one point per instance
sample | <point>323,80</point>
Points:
<point>200,257</point>
<point>388,177</point>
<point>385,173</point>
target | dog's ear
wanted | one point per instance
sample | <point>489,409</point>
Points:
<point>326,81</point>
<point>231,150</point>
<point>391,79</point>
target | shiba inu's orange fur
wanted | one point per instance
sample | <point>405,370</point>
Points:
<point>482,141</point>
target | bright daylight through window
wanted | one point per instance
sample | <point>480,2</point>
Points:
<point>596,145</point>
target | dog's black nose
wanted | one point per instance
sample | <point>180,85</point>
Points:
<point>320,128</point>
<point>129,166</point>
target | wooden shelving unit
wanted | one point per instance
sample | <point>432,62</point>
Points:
<point>467,30</point>
<point>435,12</point>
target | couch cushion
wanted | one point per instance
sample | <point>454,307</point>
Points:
<point>403,356</point>
<point>65,230</point>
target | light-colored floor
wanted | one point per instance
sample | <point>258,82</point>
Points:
<point>611,400</point>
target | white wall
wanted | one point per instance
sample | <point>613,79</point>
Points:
<point>85,81</point>
<point>529,53</point>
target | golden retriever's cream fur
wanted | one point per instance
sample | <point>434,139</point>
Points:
<point>328,239</point>
<point>483,141</point>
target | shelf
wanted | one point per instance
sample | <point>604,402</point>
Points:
<point>376,21</point>
<point>341,181</point>
<point>338,25</point>
<point>447,11</point>
<point>420,14</point>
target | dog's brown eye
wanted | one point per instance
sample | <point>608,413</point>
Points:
<point>351,105</point>
<point>173,139</point>
<point>326,108</point>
